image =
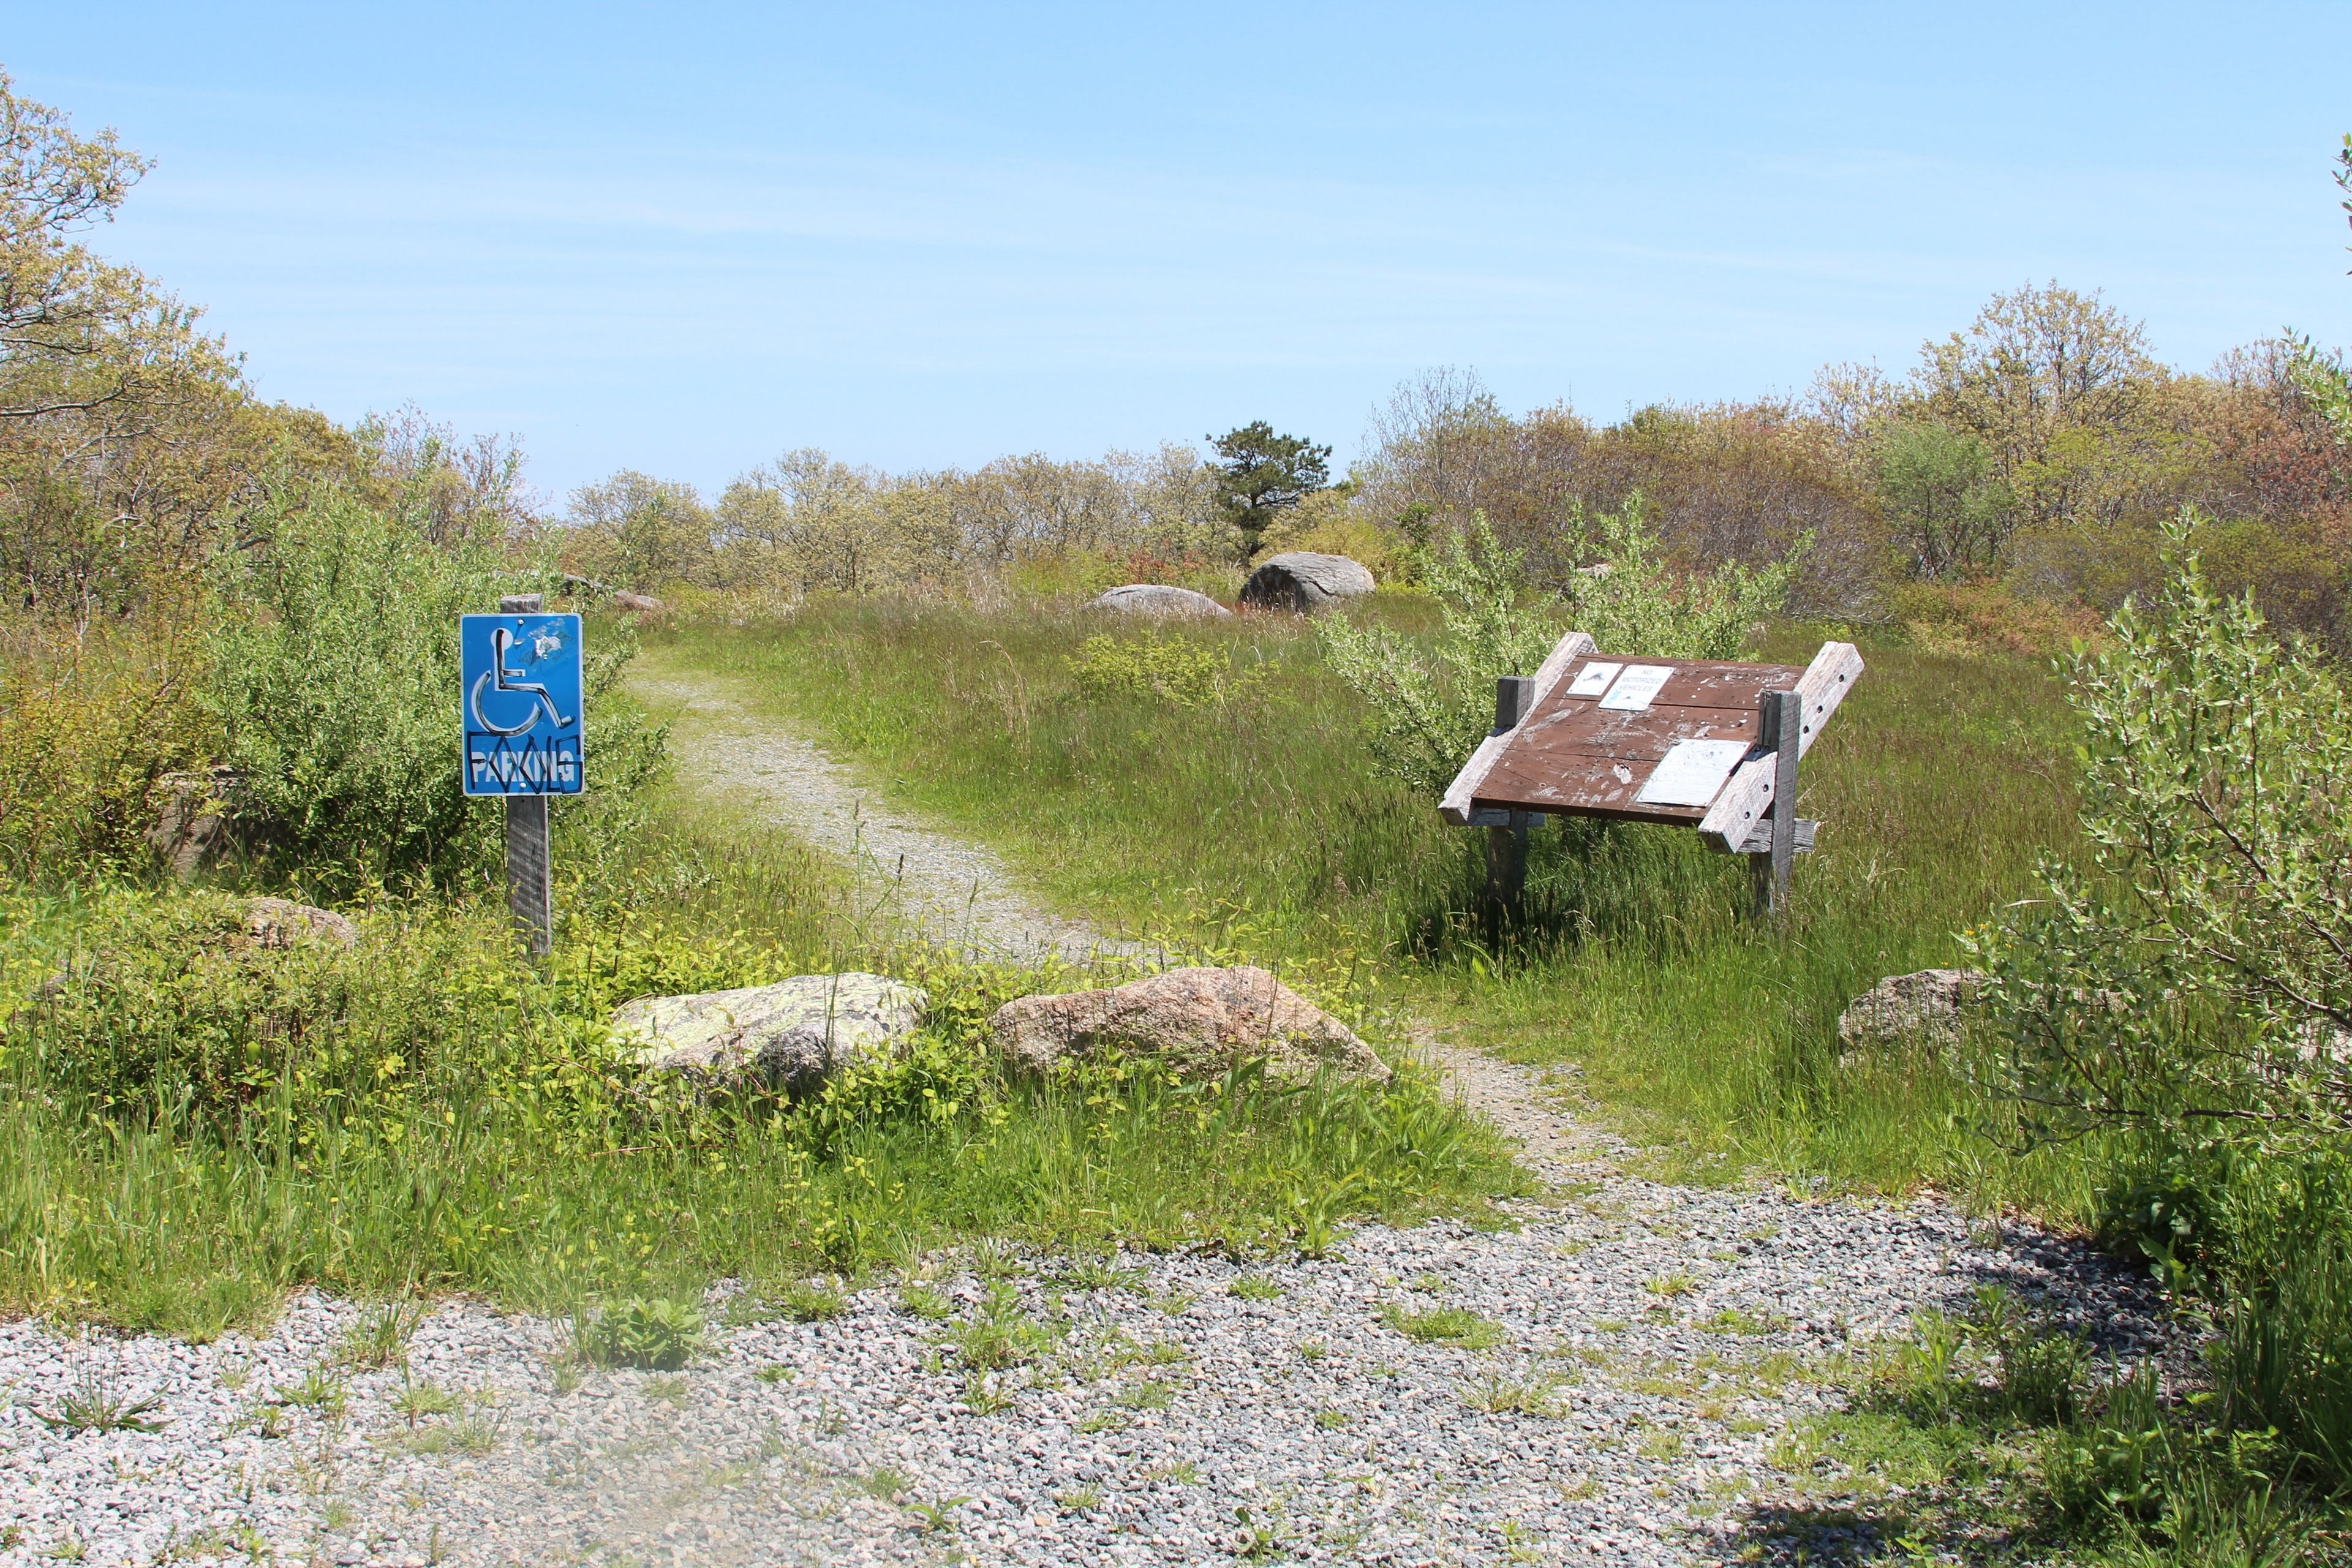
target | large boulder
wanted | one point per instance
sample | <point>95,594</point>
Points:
<point>1200,1021</point>
<point>792,1035</point>
<point>1922,1008</point>
<point>1302,582</point>
<point>1157,599</point>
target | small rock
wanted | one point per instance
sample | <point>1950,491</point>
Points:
<point>1304,583</point>
<point>792,1035</point>
<point>281,922</point>
<point>1158,599</point>
<point>637,604</point>
<point>1203,1021</point>
<point>1919,1008</point>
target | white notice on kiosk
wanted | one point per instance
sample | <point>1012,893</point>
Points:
<point>1692,773</point>
<point>1636,686</point>
<point>1593,678</point>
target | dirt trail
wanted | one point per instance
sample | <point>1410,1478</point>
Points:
<point>1527,1104</point>
<point>953,890</point>
<point>945,887</point>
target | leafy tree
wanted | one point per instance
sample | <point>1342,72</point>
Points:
<point>1259,473</point>
<point>2061,390</point>
<point>450,489</point>
<point>2035,363</point>
<point>129,443</point>
<point>640,533</point>
<point>60,306</point>
<point>1939,493</point>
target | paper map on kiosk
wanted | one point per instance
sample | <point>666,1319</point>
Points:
<point>1692,772</point>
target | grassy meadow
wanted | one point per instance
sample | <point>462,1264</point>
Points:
<point>1236,812</point>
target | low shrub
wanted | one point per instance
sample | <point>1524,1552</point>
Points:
<point>2185,995</point>
<point>1175,669</point>
<point>169,1001</point>
<point>85,728</point>
<point>651,1333</point>
<point>1962,618</point>
<point>2194,972</point>
<point>1431,705</point>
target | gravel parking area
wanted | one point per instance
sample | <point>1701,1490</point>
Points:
<point>1604,1383</point>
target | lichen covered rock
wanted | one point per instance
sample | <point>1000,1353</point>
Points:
<point>1304,583</point>
<point>1201,1021</point>
<point>1158,599</point>
<point>1919,1009</point>
<point>792,1035</point>
<point>281,922</point>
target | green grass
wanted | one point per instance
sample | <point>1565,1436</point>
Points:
<point>1444,1325</point>
<point>1994,1437</point>
<point>192,1129</point>
<point>1257,829</point>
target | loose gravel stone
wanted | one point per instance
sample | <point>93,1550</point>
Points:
<point>1619,1369</point>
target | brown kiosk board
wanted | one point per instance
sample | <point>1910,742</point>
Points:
<point>1690,743</point>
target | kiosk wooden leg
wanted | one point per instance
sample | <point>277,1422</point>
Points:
<point>1507,848</point>
<point>1781,717</point>
<point>1507,862</point>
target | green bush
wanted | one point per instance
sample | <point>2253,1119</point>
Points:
<point>86,727</point>
<point>2192,985</point>
<point>169,1002</point>
<point>1642,605</point>
<point>1173,669</point>
<point>2199,970</point>
<point>333,681</point>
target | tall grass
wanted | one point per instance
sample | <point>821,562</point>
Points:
<point>1257,825</point>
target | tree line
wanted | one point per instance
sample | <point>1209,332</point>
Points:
<point>2030,458</point>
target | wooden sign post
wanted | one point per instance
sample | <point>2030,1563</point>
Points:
<point>530,893</point>
<point>1699,743</point>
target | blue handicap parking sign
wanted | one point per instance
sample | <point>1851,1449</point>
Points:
<point>520,701</point>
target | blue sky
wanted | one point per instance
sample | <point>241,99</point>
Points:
<point>687,238</point>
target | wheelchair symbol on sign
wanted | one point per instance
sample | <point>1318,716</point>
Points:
<point>499,678</point>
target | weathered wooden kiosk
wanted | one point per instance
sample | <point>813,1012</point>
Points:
<point>1688,743</point>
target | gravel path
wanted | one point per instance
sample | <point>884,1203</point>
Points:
<point>1614,1377</point>
<point>950,891</point>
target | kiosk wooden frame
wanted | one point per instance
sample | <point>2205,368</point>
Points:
<point>1699,743</point>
